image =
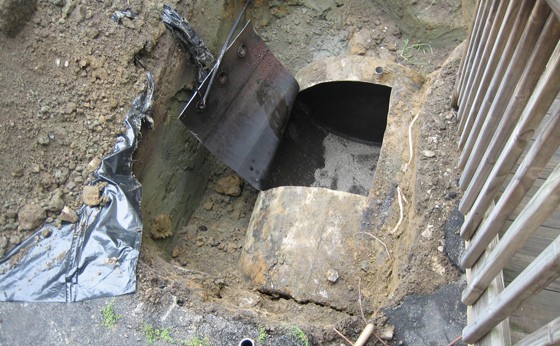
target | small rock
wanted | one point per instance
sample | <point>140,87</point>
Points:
<point>18,173</point>
<point>43,139</point>
<point>68,215</point>
<point>208,206</point>
<point>230,186</point>
<point>46,233</point>
<point>161,227</point>
<point>93,164</point>
<point>91,194</point>
<point>451,195</point>
<point>31,216</point>
<point>70,108</point>
<point>388,333</point>
<point>332,276</point>
<point>428,153</point>
<point>57,202</point>
<point>392,46</point>
<point>427,232</point>
<point>177,250</point>
<point>440,248</point>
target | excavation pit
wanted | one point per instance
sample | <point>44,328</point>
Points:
<point>310,237</point>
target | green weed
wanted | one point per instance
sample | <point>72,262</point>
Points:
<point>109,317</point>
<point>156,334</point>
<point>300,336</point>
<point>262,334</point>
<point>196,341</point>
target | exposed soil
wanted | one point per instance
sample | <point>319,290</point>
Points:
<point>69,74</point>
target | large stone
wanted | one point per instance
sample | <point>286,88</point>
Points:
<point>31,216</point>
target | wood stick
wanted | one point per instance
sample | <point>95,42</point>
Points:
<point>541,272</point>
<point>535,213</point>
<point>538,156</point>
<point>482,64</point>
<point>364,336</point>
<point>539,102</point>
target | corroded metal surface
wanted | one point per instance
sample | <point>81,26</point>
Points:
<point>304,243</point>
<point>247,109</point>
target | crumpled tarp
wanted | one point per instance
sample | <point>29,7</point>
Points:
<point>97,256</point>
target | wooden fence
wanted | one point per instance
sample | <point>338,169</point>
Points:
<point>509,121</point>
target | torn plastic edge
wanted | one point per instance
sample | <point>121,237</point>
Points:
<point>97,256</point>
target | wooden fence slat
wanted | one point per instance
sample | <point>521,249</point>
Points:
<point>482,160</point>
<point>501,164</point>
<point>485,9</point>
<point>537,158</point>
<point>555,6</point>
<point>501,60</point>
<point>505,99</point>
<point>547,335</point>
<point>534,278</point>
<point>539,208</point>
<point>473,63</point>
<point>501,334</point>
<point>487,58</point>
<point>463,65</point>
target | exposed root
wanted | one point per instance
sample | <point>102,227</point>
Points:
<point>380,241</point>
<point>401,209</point>
<point>345,338</point>
<point>410,141</point>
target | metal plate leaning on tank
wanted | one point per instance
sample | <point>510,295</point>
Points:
<point>247,110</point>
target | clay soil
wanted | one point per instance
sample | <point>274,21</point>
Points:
<point>69,74</point>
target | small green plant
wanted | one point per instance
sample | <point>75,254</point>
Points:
<point>300,336</point>
<point>262,334</point>
<point>407,51</point>
<point>154,334</point>
<point>196,341</point>
<point>109,317</point>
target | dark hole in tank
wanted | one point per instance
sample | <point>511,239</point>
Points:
<point>333,138</point>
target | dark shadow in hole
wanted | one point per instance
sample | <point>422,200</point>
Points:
<point>355,111</point>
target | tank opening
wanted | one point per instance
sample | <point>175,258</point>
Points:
<point>333,138</point>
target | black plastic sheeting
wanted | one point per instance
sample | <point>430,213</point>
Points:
<point>97,256</point>
<point>189,40</point>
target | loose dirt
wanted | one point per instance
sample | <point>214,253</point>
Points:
<point>68,74</point>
